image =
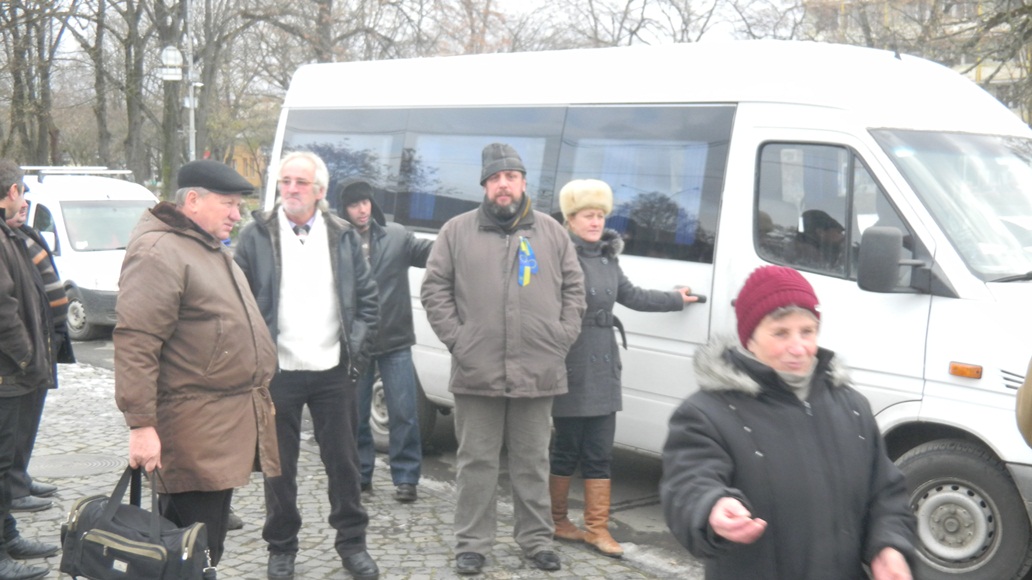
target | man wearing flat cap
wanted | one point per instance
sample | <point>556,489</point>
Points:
<point>504,292</point>
<point>193,356</point>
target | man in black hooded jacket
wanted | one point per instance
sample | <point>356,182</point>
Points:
<point>390,250</point>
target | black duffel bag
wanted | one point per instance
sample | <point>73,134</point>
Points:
<point>104,539</point>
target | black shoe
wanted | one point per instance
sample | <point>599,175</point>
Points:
<point>469,563</point>
<point>367,487</point>
<point>234,522</point>
<point>546,560</point>
<point>29,504</point>
<point>281,566</point>
<point>38,489</point>
<point>405,493</point>
<point>22,548</point>
<point>11,570</point>
<point>361,566</point>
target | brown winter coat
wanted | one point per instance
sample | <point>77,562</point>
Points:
<point>193,357</point>
<point>506,340</point>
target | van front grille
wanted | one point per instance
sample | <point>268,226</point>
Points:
<point>1012,380</point>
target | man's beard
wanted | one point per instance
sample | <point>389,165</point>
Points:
<point>503,212</point>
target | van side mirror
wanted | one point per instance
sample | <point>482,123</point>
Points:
<point>881,255</point>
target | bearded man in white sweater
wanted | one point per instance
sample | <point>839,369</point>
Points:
<point>314,289</point>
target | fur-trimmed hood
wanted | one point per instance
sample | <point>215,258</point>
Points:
<point>715,370</point>
<point>610,245</point>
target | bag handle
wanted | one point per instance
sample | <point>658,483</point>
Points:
<point>119,492</point>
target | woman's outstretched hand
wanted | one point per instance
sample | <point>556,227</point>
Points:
<point>731,521</point>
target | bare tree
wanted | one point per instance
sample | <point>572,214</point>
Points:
<point>611,22</point>
<point>91,33</point>
<point>687,20</point>
<point>768,18</point>
<point>328,31</point>
<point>1000,40</point>
<point>32,35</point>
<point>471,27</point>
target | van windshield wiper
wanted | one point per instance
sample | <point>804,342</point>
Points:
<point>1027,276</point>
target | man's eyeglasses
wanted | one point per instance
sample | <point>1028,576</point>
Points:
<point>297,182</point>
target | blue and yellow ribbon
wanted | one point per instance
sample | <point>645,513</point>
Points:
<point>528,263</point>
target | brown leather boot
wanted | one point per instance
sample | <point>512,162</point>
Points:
<point>596,518</point>
<point>559,489</point>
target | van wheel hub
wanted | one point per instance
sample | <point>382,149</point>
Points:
<point>954,522</point>
<point>76,314</point>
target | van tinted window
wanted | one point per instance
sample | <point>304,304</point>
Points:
<point>665,163</point>
<point>666,168</point>
<point>813,204</point>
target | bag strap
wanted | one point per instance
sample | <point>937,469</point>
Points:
<point>119,492</point>
<point>135,487</point>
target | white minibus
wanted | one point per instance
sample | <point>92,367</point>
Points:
<point>900,189</point>
<point>86,214</point>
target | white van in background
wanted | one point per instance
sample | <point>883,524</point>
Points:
<point>901,190</point>
<point>86,215</point>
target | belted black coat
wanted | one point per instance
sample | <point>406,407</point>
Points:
<point>593,365</point>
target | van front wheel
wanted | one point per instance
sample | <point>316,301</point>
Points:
<point>79,326</point>
<point>971,521</point>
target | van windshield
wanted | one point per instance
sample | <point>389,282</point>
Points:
<point>101,225</point>
<point>978,188</point>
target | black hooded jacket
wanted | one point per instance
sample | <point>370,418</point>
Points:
<point>816,471</point>
<point>392,251</point>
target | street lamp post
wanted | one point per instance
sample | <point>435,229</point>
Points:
<point>173,65</point>
<point>191,103</point>
<point>171,73</point>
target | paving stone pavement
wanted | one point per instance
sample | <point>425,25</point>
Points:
<point>82,447</point>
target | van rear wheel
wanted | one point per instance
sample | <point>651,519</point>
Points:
<point>971,521</point>
<point>379,420</point>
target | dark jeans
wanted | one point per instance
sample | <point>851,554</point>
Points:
<point>10,408</point>
<point>400,393</point>
<point>27,429</point>
<point>210,508</point>
<point>583,441</point>
<point>331,400</point>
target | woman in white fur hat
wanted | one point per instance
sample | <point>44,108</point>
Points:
<point>585,417</point>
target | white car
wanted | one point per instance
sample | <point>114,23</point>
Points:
<point>86,218</point>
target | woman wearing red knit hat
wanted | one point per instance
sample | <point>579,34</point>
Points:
<point>775,468</point>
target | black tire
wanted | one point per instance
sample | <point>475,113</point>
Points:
<point>971,520</point>
<point>79,327</point>
<point>379,419</point>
